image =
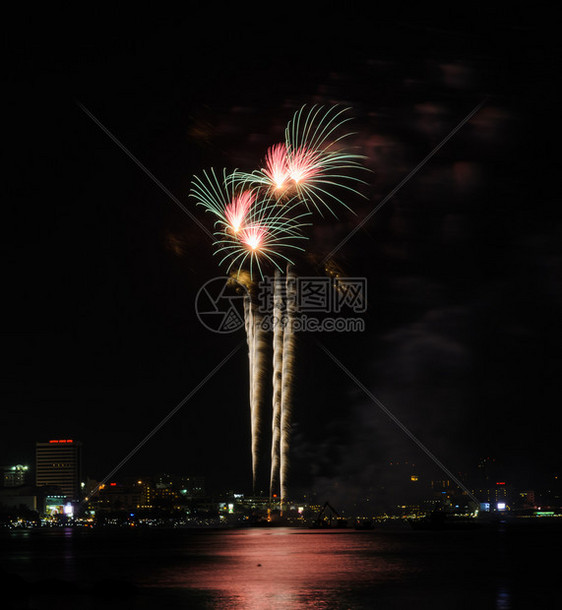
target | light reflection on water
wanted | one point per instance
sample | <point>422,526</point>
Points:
<point>285,568</point>
<point>261,568</point>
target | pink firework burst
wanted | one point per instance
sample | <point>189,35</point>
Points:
<point>276,167</point>
<point>253,236</point>
<point>303,164</point>
<point>237,210</point>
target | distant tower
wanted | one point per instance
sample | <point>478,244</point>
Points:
<point>58,464</point>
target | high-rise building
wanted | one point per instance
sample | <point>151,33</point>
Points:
<point>14,476</point>
<point>58,464</point>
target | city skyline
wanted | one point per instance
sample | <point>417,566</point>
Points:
<point>406,485</point>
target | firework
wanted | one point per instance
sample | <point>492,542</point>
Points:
<point>286,383</point>
<point>218,194</point>
<point>237,210</point>
<point>277,382</point>
<point>249,326</point>
<point>319,162</point>
<point>284,309</point>
<point>259,222</point>
<point>276,167</point>
<point>257,348</point>
<point>251,228</point>
<point>254,335</point>
<point>311,162</point>
<point>270,235</point>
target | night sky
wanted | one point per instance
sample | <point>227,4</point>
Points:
<point>100,267</point>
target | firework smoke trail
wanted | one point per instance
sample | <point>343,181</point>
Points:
<point>284,308</point>
<point>277,381</point>
<point>287,383</point>
<point>257,347</point>
<point>249,325</point>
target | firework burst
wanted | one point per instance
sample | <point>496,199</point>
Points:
<point>218,194</point>
<point>270,235</point>
<point>276,166</point>
<point>311,162</point>
<point>236,210</point>
<point>251,228</point>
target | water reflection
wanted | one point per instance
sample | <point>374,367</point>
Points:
<point>285,568</point>
<point>281,568</point>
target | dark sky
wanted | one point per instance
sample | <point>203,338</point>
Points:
<point>100,267</point>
